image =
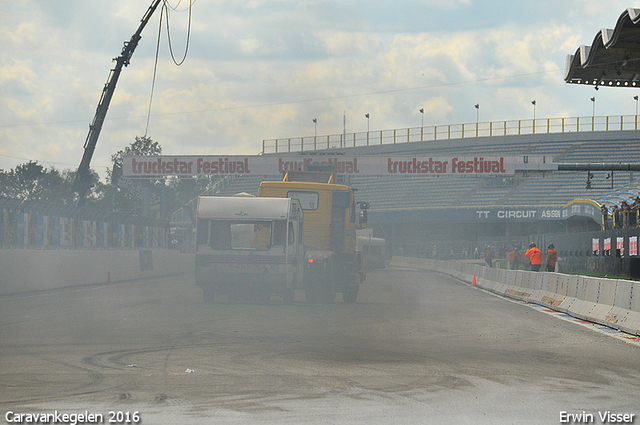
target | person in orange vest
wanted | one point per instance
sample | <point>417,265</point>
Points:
<point>552,258</point>
<point>533,254</point>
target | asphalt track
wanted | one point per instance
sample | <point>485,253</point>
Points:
<point>417,348</point>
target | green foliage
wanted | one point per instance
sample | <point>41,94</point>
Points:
<point>165,195</point>
<point>121,198</point>
<point>32,181</point>
<point>185,190</point>
<point>142,146</point>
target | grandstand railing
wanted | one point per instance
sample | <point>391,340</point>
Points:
<point>452,131</point>
<point>623,220</point>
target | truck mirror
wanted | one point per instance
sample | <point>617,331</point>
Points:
<point>362,217</point>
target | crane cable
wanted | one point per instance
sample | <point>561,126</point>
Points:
<point>186,49</point>
<point>165,10</point>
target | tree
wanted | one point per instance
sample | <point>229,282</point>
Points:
<point>98,195</point>
<point>142,146</point>
<point>181,191</point>
<point>185,190</point>
<point>123,196</point>
<point>31,181</point>
<point>166,195</point>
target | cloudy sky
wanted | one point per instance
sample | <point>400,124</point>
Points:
<point>262,69</point>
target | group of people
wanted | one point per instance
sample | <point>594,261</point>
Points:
<point>623,216</point>
<point>535,258</point>
<point>532,254</point>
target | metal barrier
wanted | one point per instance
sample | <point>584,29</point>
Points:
<point>623,219</point>
<point>452,131</point>
<point>610,302</point>
<point>44,225</point>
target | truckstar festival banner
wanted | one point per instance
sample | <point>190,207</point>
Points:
<point>151,166</point>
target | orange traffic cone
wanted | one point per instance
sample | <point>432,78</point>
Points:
<point>108,277</point>
<point>473,282</point>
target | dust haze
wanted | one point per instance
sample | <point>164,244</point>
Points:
<point>414,343</point>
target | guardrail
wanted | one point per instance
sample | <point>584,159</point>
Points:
<point>452,131</point>
<point>610,302</point>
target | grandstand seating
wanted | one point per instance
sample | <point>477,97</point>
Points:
<point>549,188</point>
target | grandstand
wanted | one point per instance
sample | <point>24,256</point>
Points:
<point>424,210</point>
<point>549,188</point>
<point>461,213</point>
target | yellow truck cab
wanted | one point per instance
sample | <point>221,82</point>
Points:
<point>330,219</point>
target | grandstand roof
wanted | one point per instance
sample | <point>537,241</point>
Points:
<point>613,59</point>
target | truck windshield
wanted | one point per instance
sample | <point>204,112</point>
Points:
<point>308,200</point>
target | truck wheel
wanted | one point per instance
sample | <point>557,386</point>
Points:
<point>209,294</point>
<point>288,295</point>
<point>310,294</point>
<point>327,293</point>
<point>350,295</point>
<point>246,294</point>
<point>311,287</point>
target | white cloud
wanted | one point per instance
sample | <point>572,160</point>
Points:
<point>265,69</point>
<point>250,45</point>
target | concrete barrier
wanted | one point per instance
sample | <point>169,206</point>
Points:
<point>591,289</point>
<point>622,299</point>
<point>625,315</point>
<point>611,302</point>
<point>24,270</point>
<point>566,304</point>
<point>550,295</point>
<point>501,285</point>
<point>607,291</point>
<point>635,297</point>
<point>574,285</point>
<point>561,284</point>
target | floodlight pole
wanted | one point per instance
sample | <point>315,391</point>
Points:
<point>533,102</point>
<point>477,106</point>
